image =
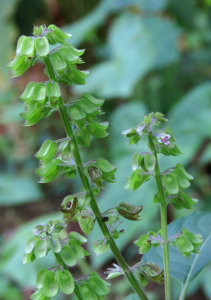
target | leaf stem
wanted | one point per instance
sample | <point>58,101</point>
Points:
<point>163,211</point>
<point>67,124</point>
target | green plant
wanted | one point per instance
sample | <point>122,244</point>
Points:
<point>79,117</point>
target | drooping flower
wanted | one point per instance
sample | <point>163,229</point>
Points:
<point>165,139</point>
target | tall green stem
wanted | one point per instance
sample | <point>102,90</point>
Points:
<point>66,121</point>
<point>163,211</point>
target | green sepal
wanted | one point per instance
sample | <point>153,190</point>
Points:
<point>66,282</point>
<point>59,35</point>
<point>80,238</point>
<point>21,69</point>
<point>53,91</point>
<point>40,248</point>
<point>149,162</point>
<point>87,292</point>
<point>184,244</point>
<point>58,61</point>
<point>169,151</point>
<point>182,180</point>
<point>102,247</point>
<point>47,169</point>
<point>30,113</point>
<point>39,115</point>
<point>19,43</point>
<point>95,131</point>
<point>30,245</point>
<point>171,183</point>
<point>39,278</point>
<point>74,50</point>
<point>87,106</point>
<point>76,112</point>
<point>187,175</point>
<point>54,243</point>
<point>86,223</point>
<point>30,257</point>
<point>42,46</point>
<point>98,285</point>
<point>27,94</point>
<point>68,54</point>
<point>27,47</point>
<point>77,249</point>
<point>136,161</point>
<point>78,77</point>
<point>105,166</point>
<point>50,284</point>
<point>16,62</point>
<point>47,151</point>
<point>83,137</point>
<point>68,256</point>
<point>37,295</point>
<point>134,139</point>
<point>143,243</point>
<point>39,92</point>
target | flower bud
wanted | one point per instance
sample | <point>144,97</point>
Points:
<point>129,211</point>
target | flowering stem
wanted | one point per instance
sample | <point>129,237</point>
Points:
<point>163,211</point>
<point>67,124</point>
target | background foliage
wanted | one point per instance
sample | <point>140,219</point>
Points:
<point>144,55</point>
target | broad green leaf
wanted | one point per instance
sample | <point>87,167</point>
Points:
<point>136,35</point>
<point>39,279</point>
<point>50,284</point>
<point>68,256</point>
<point>182,269</point>
<point>66,282</point>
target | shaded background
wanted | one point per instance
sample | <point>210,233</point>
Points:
<point>144,55</point>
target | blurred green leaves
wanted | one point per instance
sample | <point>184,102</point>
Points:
<point>136,45</point>
<point>18,190</point>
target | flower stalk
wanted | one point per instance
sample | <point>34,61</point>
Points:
<point>163,210</point>
<point>66,121</point>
